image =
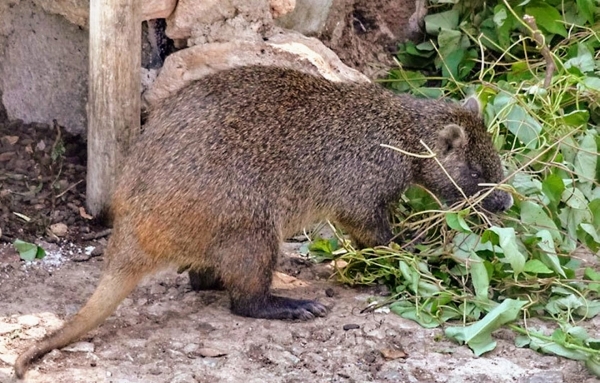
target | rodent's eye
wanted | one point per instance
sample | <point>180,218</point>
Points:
<point>475,174</point>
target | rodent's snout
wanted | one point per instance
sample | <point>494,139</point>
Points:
<point>498,201</point>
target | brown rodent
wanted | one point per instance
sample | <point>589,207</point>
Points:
<point>239,160</point>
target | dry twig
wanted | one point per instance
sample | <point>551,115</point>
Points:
<point>539,39</point>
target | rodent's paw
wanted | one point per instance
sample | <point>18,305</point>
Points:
<point>288,308</point>
<point>275,307</point>
<point>309,310</point>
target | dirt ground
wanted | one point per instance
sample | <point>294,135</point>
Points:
<point>164,332</point>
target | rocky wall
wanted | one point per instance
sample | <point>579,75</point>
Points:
<point>44,44</point>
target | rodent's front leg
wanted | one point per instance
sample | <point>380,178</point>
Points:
<point>367,227</point>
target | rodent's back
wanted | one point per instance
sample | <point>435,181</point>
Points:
<point>270,120</point>
<point>253,136</point>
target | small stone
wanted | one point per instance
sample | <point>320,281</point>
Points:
<point>28,320</point>
<point>80,347</point>
<point>59,229</point>
<point>6,328</point>
<point>9,359</point>
<point>184,377</point>
<point>190,348</point>
<point>351,326</point>
<point>11,140</point>
<point>546,377</point>
<point>391,354</point>
<point>53,355</point>
<point>157,289</point>
<point>330,292</point>
<point>4,157</point>
<point>209,362</point>
<point>282,358</point>
<point>41,146</point>
<point>208,352</point>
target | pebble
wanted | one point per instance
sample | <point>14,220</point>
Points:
<point>351,326</point>
<point>546,377</point>
<point>190,348</point>
<point>28,320</point>
<point>80,347</point>
<point>9,359</point>
<point>209,362</point>
<point>59,229</point>
<point>209,352</point>
<point>184,377</point>
<point>157,289</point>
<point>282,358</point>
<point>53,355</point>
<point>6,328</point>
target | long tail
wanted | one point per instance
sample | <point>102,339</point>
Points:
<point>111,290</point>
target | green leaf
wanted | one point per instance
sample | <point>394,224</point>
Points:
<point>584,61</point>
<point>508,243</point>
<point>588,234</point>
<point>569,303</point>
<point>479,277</point>
<point>549,256</point>
<point>405,80</point>
<point>586,158</point>
<point>478,336</point>
<point>420,200</point>
<point>520,123</point>
<point>452,60</point>
<point>29,251</point>
<point>536,266</point>
<point>551,347</point>
<point>500,15</point>
<point>457,222</point>
<point>534,215</point>
<point>576,118</point>
<point>589,310</point>
<point>434,23</point>
<point>449,41</point>
<point>504,22</point>
<point>547,18</point>
<point>322,249</point>
<point>593,365</point>
<point>464,251</point>
<point>591,274</point>
<point>526,183</point>
<point>408,311</point>
<point>587,8</point>
<point>553,187</point>
<point>594,207</point>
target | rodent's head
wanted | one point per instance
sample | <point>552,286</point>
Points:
<point>466,151</point>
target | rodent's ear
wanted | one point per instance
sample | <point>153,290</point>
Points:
<point>451,137</point>
<point>472,104</point>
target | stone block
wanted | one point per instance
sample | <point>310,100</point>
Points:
<point>43,73</point>
<point>284,49</point>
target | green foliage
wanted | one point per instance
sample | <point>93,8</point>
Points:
<point>29,251</point>
<point>460,263</point>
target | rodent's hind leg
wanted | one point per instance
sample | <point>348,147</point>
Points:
<point>205,279</point>
<point>246,269</point>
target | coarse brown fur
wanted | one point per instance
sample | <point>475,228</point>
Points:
<point>237,161</point>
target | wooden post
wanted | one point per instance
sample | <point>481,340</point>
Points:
<point>114,93</point>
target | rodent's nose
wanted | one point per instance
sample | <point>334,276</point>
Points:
<point>508,202</point>
<point>498,201</point>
